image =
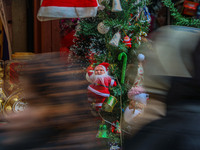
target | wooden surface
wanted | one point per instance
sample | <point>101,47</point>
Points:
<point>46,34</point>
<point>19,26</point>
<point>6,18</point>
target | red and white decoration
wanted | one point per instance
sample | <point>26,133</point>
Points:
<point>99,89</point>
<point>57,9</point>
<point>127,41</point>
<point>140,73</point>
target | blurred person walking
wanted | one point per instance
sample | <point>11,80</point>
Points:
<point>176,59</point>
<point>57,116</point>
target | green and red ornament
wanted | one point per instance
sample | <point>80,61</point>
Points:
<point>115,128</point>
<point>109,103</point>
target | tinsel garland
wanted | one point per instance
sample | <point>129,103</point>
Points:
<point>181,20</point>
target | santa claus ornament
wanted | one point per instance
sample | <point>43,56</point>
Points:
<point>99,89</point>
<point>127,41</point>
<point>57,9</point>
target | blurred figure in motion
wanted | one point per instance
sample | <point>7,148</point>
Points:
<point>57,116</point>
<point>175,60</point>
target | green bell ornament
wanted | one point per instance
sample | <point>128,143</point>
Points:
<point>109,103</point>
<point>99,133</point>
<point>104,132</point>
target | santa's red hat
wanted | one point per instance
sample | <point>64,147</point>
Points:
<point>56,9</point>
<point>105,66</point>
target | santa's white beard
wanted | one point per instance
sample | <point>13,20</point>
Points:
<point>96,78</point>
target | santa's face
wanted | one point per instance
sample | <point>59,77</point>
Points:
<point>99,70</point>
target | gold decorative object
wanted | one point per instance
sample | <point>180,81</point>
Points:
<point>1,100</point>
<point>22,55</point>
<point>1,75</point>
<point>109,103</point>
<point>11,96</point>
<point>14,103</point>
<point>8,108</point>
<point>15,99</point>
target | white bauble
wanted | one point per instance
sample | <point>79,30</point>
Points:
<point>102,28</point>
<point>141,57</point>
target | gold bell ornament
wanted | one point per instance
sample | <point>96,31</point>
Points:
<point>109,103</point>
<point>116,6</point>
<point>115,40</point>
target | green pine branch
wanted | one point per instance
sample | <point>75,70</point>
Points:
<point>180,20</point>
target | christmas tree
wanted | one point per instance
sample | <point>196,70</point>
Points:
<point>114,37</point>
